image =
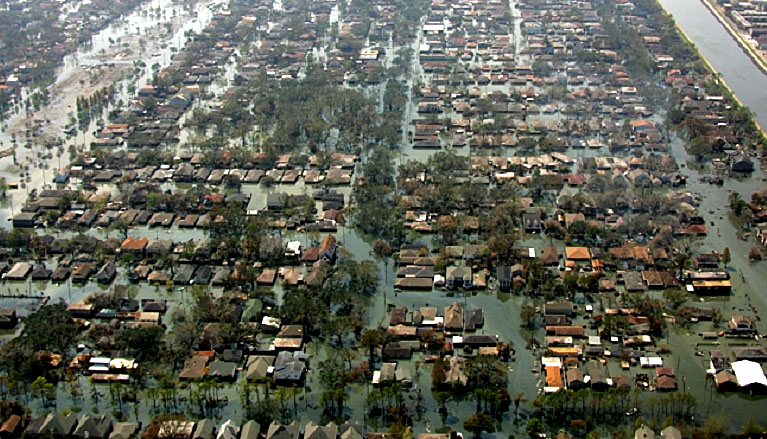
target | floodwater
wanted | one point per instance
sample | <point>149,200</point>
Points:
<point>151,34</point>
<point>709,36</point>
<point>501,312</point>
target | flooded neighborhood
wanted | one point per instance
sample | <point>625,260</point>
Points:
<point>388,219</point>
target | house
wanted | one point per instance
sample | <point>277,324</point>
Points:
<point>750,377</point>
<point>289,368</point>
<point>19,271</point>
<point>644,432</point>
<point>741,163</point>
<point>134,246</point>
<point>477,341</point>
<point>665,381</point>
<point>473,319</point>
<point>11,428</point>
<point>558,308</point>
<point>726,381</point>
<point>82,272</point>
<point>670,432</point>
<point>228,430</point>
<point>194,368</point>
<point>251,430</point>
<point>350,431</point>
<point>25,219</point>
<point>597,373</point>
<point>459,277</point>
<point>314,431</point>
<point>57,424</point>
<point>578,254</point>
<point>223,371</point>
<point>204,429</point>
<point>8,318</point>
<point>258,367</point>
<point>503,274</point>
<point>183,274</point>
<point>202,275</point>
<point>180,102</point>
<point>454,317</point>
<point>756,354</point>
<point>92,426</point>
<point>176,429</point>
<point>396,351</point>
<point>107,273</point>
<point>742,325</point>
<point>276,201</point>
<point>531,220</point>
<point>455,374</point>
<point>574,378</point>
<point>124,430</point>
<point>550,256</point>
<point>328,248</point>
<point>553,378</point>
<point>280,431</point>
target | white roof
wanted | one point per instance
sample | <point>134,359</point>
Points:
<point>551,361</point>
<point>651,361</point>
<point>439,27</point>
<point>294,246</point>
<point>749,372</point>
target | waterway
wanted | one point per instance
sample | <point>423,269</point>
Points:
<point>151,35</point>
<point>712,40</point>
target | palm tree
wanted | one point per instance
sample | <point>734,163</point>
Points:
<point>518,399</point>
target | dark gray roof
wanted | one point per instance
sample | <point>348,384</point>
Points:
<point>280,431</point>
<point>91,426</point>
<point>204,429</point>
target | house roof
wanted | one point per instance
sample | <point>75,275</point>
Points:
<point>454,316</point>
<point>749,373</point>
<point>314,431</point>
<point>280,431</point>
<point>250,430</point>
<point>123,430</point>
<point>91,426</point>
<point>204,429</point>
<point>577,253</point>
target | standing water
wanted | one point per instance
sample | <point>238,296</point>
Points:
<point>747,82</point>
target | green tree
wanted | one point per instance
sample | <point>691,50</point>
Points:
<point>478,423</point>
<point>528,315</point>
<point>371,339</point>
<point>534,427</point>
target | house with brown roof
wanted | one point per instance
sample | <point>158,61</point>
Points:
<point>327,249</point>
<point>579,254</point>
<point>454,317</point>
<point>134,245</point>
<point>550,256</point>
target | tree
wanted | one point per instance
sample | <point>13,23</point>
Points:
<point>383,250</point>
<point>528,315</point>
<point>371,339</point>
<point>751,428</point>
<point>675,297</point>
<point>478,423</point>
<point>442,398</point>
<point>534,427</point>
<point>518,399</point>
<point>737,204</point>
<point>333,382</point>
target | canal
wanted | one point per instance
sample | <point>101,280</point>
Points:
<point>712,40</point>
